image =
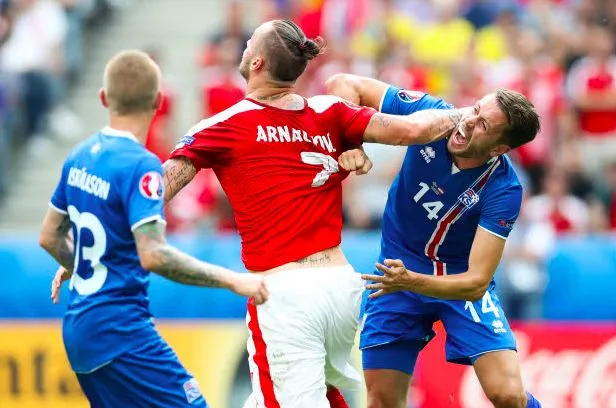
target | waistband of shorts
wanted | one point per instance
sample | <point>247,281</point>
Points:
<point>314,271</point>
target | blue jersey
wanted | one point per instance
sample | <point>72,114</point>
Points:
<point>433,208</point>
<point>110,185</point>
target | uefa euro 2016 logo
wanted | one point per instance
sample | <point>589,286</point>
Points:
<point>151,185</point>
<point>469,198</point>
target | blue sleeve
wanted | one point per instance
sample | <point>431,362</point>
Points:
<point>501,210</point>
<point>398,101</point>
<point>58,198</point>
<point>143,192</point>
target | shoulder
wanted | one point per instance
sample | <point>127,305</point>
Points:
<point>504,182</point>
<point>240,108</point>
<point>321,103</point>
<point>400,101</point>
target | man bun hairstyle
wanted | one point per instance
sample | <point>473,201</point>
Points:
<point>523,120</point>
<point>289,50</point>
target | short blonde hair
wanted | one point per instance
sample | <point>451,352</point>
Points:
<point>131,82</point>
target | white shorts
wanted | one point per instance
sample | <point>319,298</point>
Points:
<point>301,338</point>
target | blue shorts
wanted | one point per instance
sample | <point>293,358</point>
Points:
<point>398,325</point>
<point>151,376</point>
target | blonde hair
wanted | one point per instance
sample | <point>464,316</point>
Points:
<point>131,82</point>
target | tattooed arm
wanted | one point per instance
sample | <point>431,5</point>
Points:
<point>55,238</point>
<point>158,256</point>
<point>421,127</point>
<point>178,172</point>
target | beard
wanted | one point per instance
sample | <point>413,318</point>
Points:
<point>244,69</point>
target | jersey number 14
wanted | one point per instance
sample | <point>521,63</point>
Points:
<point>432,207</point>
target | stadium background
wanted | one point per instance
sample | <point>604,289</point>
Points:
<point>559,273</point>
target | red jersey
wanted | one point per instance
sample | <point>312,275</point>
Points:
<point>279,169</point>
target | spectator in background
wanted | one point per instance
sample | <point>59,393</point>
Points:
<point>591,85</point>
<point>233,30</point>
<point>530,71</point>
<point>556,206</point>
<point>161,135</point>
<point>523,278</point>
<point>607,195</point>
<point>34,56</point>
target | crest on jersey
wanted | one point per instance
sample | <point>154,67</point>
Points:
<point>192,391</point>
<point>469,198</point>
<point>506,224</point>
<point>410,96</point>
<point>185,141</point>
<point>151,185</point>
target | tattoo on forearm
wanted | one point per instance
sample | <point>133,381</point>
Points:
<point>383,119</point>
<point>177,174</point>
<point>443,122</point>
<point>174,264</point>
<point>315,260</point>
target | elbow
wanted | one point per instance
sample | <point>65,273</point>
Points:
<point>476,291</point>
<point>46,242</point>
<point>335,82</point>
<point>149,261</point>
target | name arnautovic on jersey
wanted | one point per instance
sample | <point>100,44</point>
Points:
<point>280,134</point>
<point>91,184</point>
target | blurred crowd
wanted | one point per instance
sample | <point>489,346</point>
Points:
<point>560,53</point>
<point>41,58</point>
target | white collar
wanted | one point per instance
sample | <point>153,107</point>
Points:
<point>109,131</point>
<point>455,169</point>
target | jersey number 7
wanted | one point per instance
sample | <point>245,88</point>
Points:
<point>330,166</point>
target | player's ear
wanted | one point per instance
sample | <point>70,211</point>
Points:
<point>103,97</point>
<point>256,64</point>
<point>158,100</point>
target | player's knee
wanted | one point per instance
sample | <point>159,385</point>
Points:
<point>512,396</point>
<point>380,397</point>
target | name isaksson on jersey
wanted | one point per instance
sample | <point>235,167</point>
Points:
<point>284,134</point>
<point>89,183</point>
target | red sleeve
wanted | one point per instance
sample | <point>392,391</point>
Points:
<point>205,146</point>
<point>353,121</point>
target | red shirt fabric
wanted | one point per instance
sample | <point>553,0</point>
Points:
<point>588,76</point>
<point>279,170</point>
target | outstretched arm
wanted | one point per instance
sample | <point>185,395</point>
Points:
<point>360,90</point>
<point>158,256</point>
<point>421,127</point>
<point>177,173</point>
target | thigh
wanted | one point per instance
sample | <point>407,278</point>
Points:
<point>387,388</point>
<point>151,376</point>
<point>498,371</point>
<point>343,321</point>
<point>286,355</point>
<point>475,328</point>
<point>398,316</point>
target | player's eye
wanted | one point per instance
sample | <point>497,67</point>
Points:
<point>476,109</point>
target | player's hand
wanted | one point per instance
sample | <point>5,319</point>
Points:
<point>62,275</point>
<point>355,160</point>
<point>394,279</point>
<point>251,285</point>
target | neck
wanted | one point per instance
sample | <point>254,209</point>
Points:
<point>268,91</point>
<point>464,163</point>
<point>137,124</point>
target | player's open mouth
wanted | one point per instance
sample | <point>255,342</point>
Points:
<point>459,137</point>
